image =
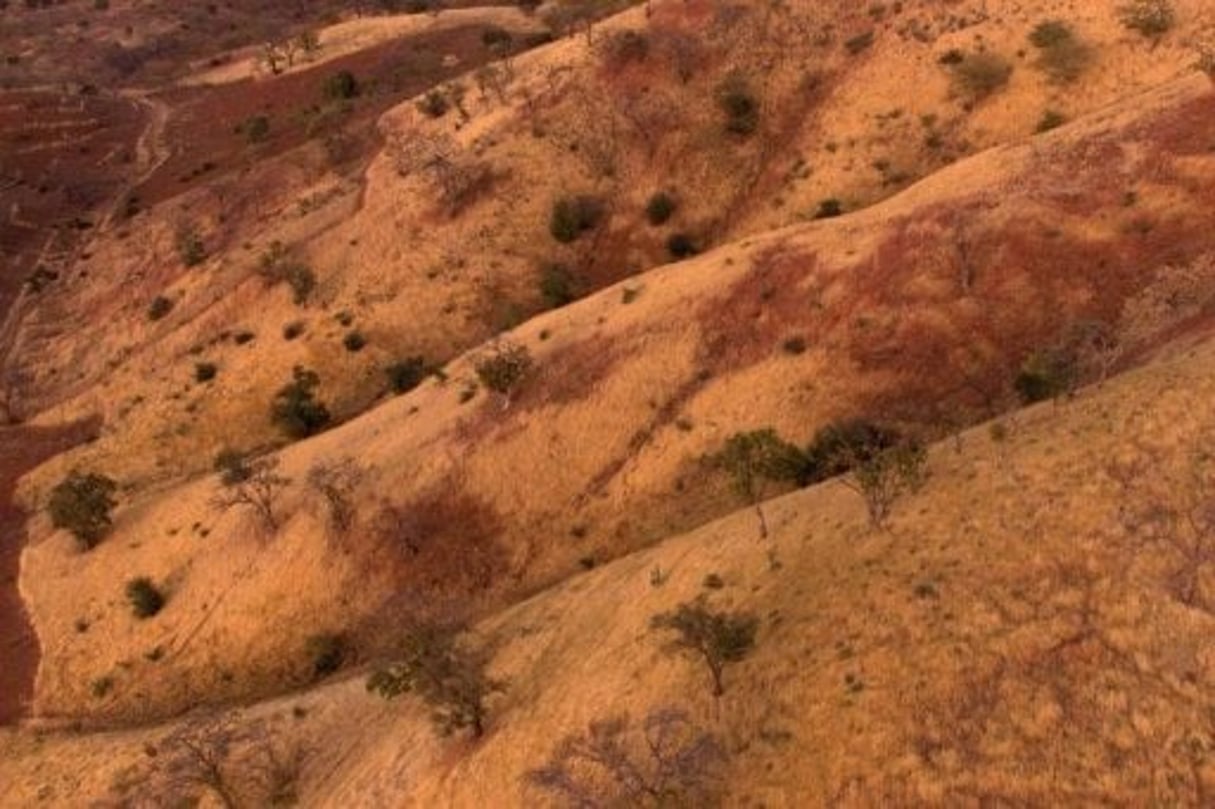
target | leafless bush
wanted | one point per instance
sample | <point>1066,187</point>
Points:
<point>667,761</point>
<point>258,492</point>
<point>336,481</point>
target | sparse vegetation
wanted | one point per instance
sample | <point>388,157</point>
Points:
<point>276,265</point>
<point>978,75</point>
<point>1062,55</point>
<point>81,503</point>
<point>336,482</point>
<point>504,367</point>
<point>573,216</point>
<point>558,286</point>
<point>258,491</point>
<point>406,375</point>
<point>660,208</point>
<point>443,667</point>
<point>716,638</point>
<point>296,410</point>
<point>1150,18</point>
<point>739,105</point>
<point>144,597</point>
<point>190,247</point>
<point>668,761</point>
<point>159,307</point>
<point>755,458</point>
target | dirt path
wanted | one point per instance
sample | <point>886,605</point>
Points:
<point>21,449</point>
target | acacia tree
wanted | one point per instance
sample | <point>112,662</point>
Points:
<point>81,503</point>
<point>258,491</point>
<point>667,761</point>
<point>717,638</point>
<point>442,667</point>
<point>755,458</point>
<point>884,476</point>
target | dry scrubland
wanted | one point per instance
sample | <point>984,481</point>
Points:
<point>1030,626</point>
<point>1023,630</point>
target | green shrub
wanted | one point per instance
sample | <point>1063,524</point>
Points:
<point>82,504</point>
<point>354,341</point>
<point>1061,53</point>
<point>978,75</point>
<point>406,375</point>
<point>1151,18</point>
<point>302,281</point>
<point>190,247</point>
<point>145,599</point>
<point>296,410</point>
<point>573,216</point>
<point>838,447</point>
<point>558,286</point>
<point>660,208</point>
<point>1045,374</point>
<point>159,307</point>
<point>829,209</point>
<point>205,371</point>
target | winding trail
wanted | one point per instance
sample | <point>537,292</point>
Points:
<point>21,449</point>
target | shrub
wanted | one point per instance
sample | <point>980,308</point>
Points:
<point>1045,374</point>
<point>859,42</point>
<point>496,38</point>
<point>327,652</point>
<point>293,329</point>
<point>406,375</point>
<point>354,341</point>
<point>145,599</point>
<point>829,209</point>
<point>190,247</point>
<point>448,673</point>
<point>669,761</point>
<point>756,457</point>
<point>205,371</point>
<point>258,491</point>
<point>295,408</point>
<point>739,105</point>
<point>660,208</point>
<point>573,216</point>
<point>557,285</point>
<point>1051,119</point>
<point>978,75</point>
<point>838,447</point>
<point>232,466</point>
<point>302,281</point>
<point>159,307</point>
<point>341,86</point>
<point>255,128</point>
<point>717,638</point>
<point>81,504</point>
<point>503,368</point>
<point>1061,53</point>
<point>277,266</point>
<point>433,104</point>
<point>1151,18</point>
<point>681,246</point>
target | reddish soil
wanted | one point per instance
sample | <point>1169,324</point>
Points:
<point>61,158</point>
<point>203,137</point>
<point>21,449</point>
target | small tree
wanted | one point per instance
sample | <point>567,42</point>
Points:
<point>504,367</point>
<point>447,673</point>
<point>668,761</point>
<point>336,481</point>
<point>885,475</point>
<point>295,408</point>
<point>82,504</point>
<point>717,638</point>
<point>259,491</point>
<point>755,458</point>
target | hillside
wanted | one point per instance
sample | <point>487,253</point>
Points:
<point>1024,631</point>
<point>544,319</point>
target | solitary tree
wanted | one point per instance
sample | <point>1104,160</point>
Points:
<point>447,672</point>
<point>755,458</point>
<point>715,637</point>
<point>885,476</point>
<point>259,491</point>
<point>668,761</point>
<point>81,504</point>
